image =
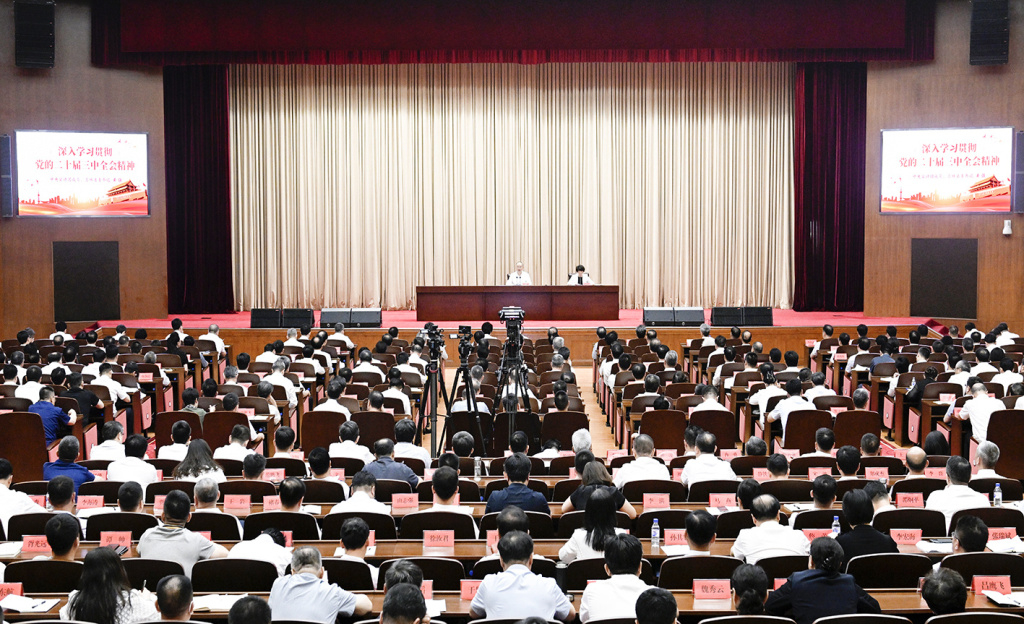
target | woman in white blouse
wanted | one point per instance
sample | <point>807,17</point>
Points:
<point>199,464</point>
<point>105,596</point>
<point>598,527</point>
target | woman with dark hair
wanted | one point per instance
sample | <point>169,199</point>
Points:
<point>598,527</point>
<point>750,588</point>
<point>105,596</point>
<point>936,444</point>
<point>821,591</point>
<point>595,477</point>
<point>199,464</point>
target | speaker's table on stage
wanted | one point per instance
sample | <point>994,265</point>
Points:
<point>555,303</point>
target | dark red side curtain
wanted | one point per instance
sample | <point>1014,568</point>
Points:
<point>197,142</point>
<point>831,102</point>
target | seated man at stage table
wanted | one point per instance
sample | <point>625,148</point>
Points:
<point>519,277</point>
<point>582,278</point>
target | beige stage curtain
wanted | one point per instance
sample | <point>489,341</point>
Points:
<point>354,184</point>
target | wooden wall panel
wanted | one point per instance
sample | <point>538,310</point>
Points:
<point>77,96</point>
<point>947,92</point>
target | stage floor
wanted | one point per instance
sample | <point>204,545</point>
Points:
<point>406,319</point>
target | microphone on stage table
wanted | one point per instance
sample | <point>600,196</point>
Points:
<point>580,280</point>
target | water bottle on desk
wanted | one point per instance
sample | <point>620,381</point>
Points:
<point>835,526</point>
<point>997,496</point>
<point>655,536</point>
<point>477,468</point>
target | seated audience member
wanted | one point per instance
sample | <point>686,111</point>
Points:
<point>706,467</point>
<point>860,399</point>
<point>277,378</point>
<point>403,571</point>
<point>334,391</point>
<point>250,610</point>
<point>818,389</point>
<point>268,546</point>
<point>305,595</point>
<point>598,527</point>
<point>549,450</point>
<point>67,455</point>
<point>518,443</point>
<point>129,500</point>
<point>1008,374</point>
<point>30,389</point>
<point>385,466</point>
<point>292,491</point>
<point>60,495</point>
<point>645,466</point>
<point>768,538</point>
<point>90,406</point>
<point>510,519</point>
<point>190,403</point>
<point>320,467</point>
<point>462,444</point>
<point>366,365</point>
<point>198,463</point>
<point>361,498</point>
<point>518,493</point>
<point>822,590</point>
<point>824,440</point>
<point>174,598</point>
<point>794,402</point>
<point>879,494</point>
<point>237,447</point>
<point>445,486</point>
<point>594,477</point>
<point>945,591</point>
<point>253,467</point>
<point>265,391</point>
<point>404,604</point>
<point>172,541</point>
<point>581,441</point>
<point>916,461</point>
<point>616,597</point>
<point>969,535</point>
<point>746,492</point>
<point>133,467</point>
<point>62,534</point>
<point>104,593</point>
<point>709,394</point>
<point>181,435</point>
<point>863,539</point>
<point>778,466</point>
<point>978,410</point>
<point>517,592</point>
<point>348,444</point>
<point>936,444</point>
<point>657,606</point>
<point>755,447</point>
<point>986,458</point>
<point>701,527</point>
<point>207,493</point>
<point>749,588</point>
<point>690,440</point>
<point>823,491</point>
<point>355,539</point>
<point>869,444</point>
<point>848,461</point>
<point>111,446</point>
<point>394,391</point>
<point>284,441</point>
<point>957,494</point>
<point>54,418</point>
<point>405,434</point>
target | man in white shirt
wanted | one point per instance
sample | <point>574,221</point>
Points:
<point>957,495</point>
<point>362,498</point>
<point>133,467</point>
<point>616,597</point>
<point>292,339</point>
<point>710,402</point>
<point>749,365</point>
<point>237,447</point>
<point>582,278</point>
<point>445,486</point>
<point>983,365</point>
<point>181,435</point>
<point>848,462</point>
<point>112,445</point>
<point>978,410</point>
<point>962,373</point>
<point>826,332</point>
<point>768,538</point>
<point>270,352</point>
<point>348,446</point>
<point>916,461</point>
<point>793,402</point>
<point>53,362</point>
<point>986,457</point>
<point>30,389</point>
<point>207,492</point>
<point>404,366</point>
<point>824,441</point>
<point>62,330</point>
<point>339,336</point>
<point>355,540</point>
<point>405,434</point>
<point>117,391</point>
<point>268,546</point>
<point>706,467</point>
<point>519,277</point>
<point>394,391</point>
<point>176,329</point>
<point>759,400</point>
<point>366,365</point>
<point>862,358</point>
<point>645,466</point>
<point>334,391</point>
<point>1009,374</point>
<point>415,357</point>
<point>213,335</point>
<point>819,389</point>
<point>307,358</point>
<point>13,503</point>
<point>463,404</point>
<point>277,378</point>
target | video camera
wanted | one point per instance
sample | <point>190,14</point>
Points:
<point>434,339</point>
<point>465,338</point>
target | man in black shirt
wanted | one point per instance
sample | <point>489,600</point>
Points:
<point>89,404</point>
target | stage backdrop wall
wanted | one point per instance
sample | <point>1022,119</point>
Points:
<point>946,93</point>
<point>352,185</point>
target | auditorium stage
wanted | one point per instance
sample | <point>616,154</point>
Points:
<point>790,331</point>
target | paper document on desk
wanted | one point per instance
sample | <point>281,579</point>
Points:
<point>717,511</point>
<point>316,510</point>
<point>800,506</point>
<point>932,547</point>
<point>9,549</point>
<point>1011,545</point>
<point>675,550</point>
<point>216,602</point>
<point>436,607</point>
<point>24,604</point>
<point>1015,599</point>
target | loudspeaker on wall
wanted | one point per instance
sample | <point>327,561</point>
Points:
<point>34,33</point>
